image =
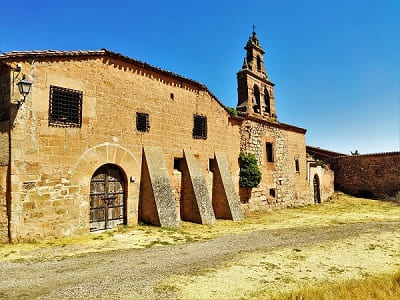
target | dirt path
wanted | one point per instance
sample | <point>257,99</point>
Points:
<point>135,273</point>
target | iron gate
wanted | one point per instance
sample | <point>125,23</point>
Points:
<point>107,198</point>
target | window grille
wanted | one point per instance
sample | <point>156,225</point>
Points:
<point>270,154</point>
<point>200,127</point>
<point>65,107</point>
<point>142,122</point>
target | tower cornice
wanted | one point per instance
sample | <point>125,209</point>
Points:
<point>249,72</point>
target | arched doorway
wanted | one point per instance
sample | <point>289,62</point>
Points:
<point>317,195</point>
<point>107,198</point>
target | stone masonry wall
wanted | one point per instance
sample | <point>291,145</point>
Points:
<point>290,187</point>
<point>4,149</point>
<point>52,167</point>
<point>374,175</point>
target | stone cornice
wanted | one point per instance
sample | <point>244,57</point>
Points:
<point>249,72</point>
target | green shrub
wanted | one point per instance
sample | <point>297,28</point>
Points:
<point>232,111</point>
<point>318,161</point>
<point>250,175</point>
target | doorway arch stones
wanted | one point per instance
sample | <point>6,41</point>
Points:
<point>93,158</point>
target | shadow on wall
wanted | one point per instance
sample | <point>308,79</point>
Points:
<point>8,113</point>
<point>387,195</point>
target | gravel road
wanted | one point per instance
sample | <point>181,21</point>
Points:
<point>132,274</point>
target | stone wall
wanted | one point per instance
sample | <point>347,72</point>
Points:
<point>4,114</point>
<point>4,148</point>
<point>52,167</point>
<point>281,185</point>
<point>371,175</point>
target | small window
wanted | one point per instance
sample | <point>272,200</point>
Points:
<point>171,95</point>
<point>272,193</point>
<point>65,107</point>
<point>200,127</point>
<point>142,122</point>
<point>211,164</point>
<point>297,165</point>
<point>270,152</point>
<point>177,163</point>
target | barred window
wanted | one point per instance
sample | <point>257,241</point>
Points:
<point>200,127</point>
<point>142,122</point>
<point>65,107</point>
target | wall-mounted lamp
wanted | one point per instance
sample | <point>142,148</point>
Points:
<point>24,87</point>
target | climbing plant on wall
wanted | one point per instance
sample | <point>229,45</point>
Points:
<point>250,175</point>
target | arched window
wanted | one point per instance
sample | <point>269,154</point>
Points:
<point>258,63</point>
<point>257,103</point>
<point>267,102</point>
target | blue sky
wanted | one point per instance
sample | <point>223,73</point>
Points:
<point>336,64</point>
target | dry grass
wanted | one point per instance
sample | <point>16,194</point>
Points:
<point>394,199</point>
<point>349,268</point>
<point>261,274</point>
<point>383,287</point>
<point>342,209</point>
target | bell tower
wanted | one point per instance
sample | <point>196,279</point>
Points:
<point>255,90</point>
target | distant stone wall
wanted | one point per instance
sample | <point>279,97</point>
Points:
<point>372,176</point>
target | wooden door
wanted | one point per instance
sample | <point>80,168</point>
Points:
<point>107,198</point>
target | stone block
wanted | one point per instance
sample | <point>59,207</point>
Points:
<point>156,200</point>
<point>225,200</point>
<point>196,205</point>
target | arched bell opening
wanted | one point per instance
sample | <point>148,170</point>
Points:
<point>267,102</point>
<point>257,102</point>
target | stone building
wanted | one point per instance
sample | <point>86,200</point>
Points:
<point>102,139</point>
<point>279,147</point>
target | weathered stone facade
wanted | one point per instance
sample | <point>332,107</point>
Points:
<point>289,186</point>
<point>4,150</point>
<point>51,167</point>
<point>47,169</point>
